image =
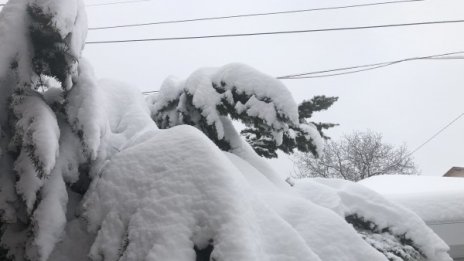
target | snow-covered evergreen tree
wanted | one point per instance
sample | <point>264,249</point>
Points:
<point>298,137</point>
<point>213,95</point>
<point>44,143</point>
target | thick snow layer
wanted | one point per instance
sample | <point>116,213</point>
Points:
<point>256,95</point>
<point>127,120</point>
<point>311,132</point>
<point>84,109</point>
<point>349,198</point>
<point>50,218</point>
<point>174,199</point>
<point>38,127</point>
<point>253,82</point>
<point>244,150</point>
<point>38,132</point>
<point>13,39</point>
<point>434,199</point>
<point>314,222</point>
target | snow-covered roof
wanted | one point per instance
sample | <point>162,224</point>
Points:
<point>434,199</point>
<point>439,201</point>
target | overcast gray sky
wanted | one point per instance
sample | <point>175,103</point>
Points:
<point>407,103</point>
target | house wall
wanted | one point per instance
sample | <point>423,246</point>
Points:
<point>453,234</point>
<point>455,172</point>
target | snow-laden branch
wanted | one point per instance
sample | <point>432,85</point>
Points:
<point>242,93</point>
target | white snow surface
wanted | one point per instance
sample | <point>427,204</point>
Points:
<point>313,221</point>
<point>311,132</point>
<point>50,216</point>
<point>37,126</point>
<point>14,38</point>
<point>165,208</point>
<point>84,109</point>
<point>434,199</point>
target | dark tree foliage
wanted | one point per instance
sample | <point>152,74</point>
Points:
<point>52,55</point>
<point>204,254</point>
<point>317,103</point>
<point>296,138</point>
<point>3,251</point>
<point>394,247</point>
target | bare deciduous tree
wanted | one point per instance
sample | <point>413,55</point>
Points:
<point>356,156</point>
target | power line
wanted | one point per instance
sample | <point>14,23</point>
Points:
<point>436,134</point>
<point>252,15</point>
<point>367,67</point>
<point>273,33</point>
<point>450,58</point>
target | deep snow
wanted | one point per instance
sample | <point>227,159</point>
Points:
<point>159,194</point>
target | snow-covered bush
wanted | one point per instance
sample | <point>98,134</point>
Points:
<point>211,96</point>
<point>42,146</point>
<point>83,178</point>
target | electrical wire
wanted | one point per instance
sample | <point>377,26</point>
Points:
<point>252,15</point>
<point>367,67</point>
<point>272,33</point>
<point>436,134</point>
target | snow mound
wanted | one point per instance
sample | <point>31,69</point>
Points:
<point>173,200</point>
<point>315,223</point>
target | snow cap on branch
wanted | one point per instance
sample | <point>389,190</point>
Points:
<point>261,102</point>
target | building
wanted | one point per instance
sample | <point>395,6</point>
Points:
<point>455,172</point>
